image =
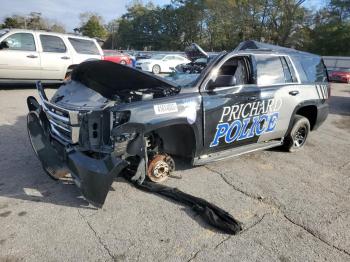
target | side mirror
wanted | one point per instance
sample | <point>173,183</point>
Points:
<point>222,81</point>
<point>4,45</point>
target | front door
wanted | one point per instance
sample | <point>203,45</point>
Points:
<point>228,99</point>
<point>21,60</point>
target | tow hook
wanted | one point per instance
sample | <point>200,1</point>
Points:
<point>160,167</point>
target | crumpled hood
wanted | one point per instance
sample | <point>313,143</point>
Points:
<point>110,79</point>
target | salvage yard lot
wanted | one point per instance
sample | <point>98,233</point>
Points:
<point>294,207</point>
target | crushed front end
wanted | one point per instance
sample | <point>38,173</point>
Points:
<point>83,132</point>
<point>68,143</point>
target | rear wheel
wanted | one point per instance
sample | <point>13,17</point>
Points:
<point>123,62</point>
<point>156,69</point>
<point>297,137</point>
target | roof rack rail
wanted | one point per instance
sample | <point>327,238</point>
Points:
<point>260,49</point>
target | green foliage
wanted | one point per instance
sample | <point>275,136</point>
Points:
<point>92,25</point>
<point>222,25</point>
<point>33,21</point>
<point>215,25</point>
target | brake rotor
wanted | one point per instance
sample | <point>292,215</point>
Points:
<point>160,168</point>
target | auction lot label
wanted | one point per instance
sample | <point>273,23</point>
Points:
<point>165,108</point>
<point>239,122</point>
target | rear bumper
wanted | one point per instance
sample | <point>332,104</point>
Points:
<point>322,113</point>
<point>93,176</point>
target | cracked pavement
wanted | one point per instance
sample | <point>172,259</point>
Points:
<point>294,207</point>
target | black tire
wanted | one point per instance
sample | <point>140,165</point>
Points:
<point>156,69</point>
<point>298,135</point>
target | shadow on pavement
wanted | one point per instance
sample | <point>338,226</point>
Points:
<point>339,105</point>
<point>21,175</point>
<point>25,86</point>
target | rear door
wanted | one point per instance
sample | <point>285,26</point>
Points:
<point>280,89</point>
<point>21,60</point>
<point>55,57</point>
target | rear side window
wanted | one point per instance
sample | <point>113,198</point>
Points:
<point>315,69</point>
<point>83,46</point>
<point>269,70</point>
<point>21,41</point>
<point>52,44</point>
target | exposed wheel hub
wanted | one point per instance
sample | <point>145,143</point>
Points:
<point>160,168</point>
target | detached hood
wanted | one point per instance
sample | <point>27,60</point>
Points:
<point>194,52</point>
<point>110,79</point>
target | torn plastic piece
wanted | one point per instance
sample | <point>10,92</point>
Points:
<point>212,214</point>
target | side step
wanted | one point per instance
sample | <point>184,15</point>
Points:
<point>204,159</point>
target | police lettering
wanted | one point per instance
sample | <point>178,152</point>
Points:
<point>239,122</point>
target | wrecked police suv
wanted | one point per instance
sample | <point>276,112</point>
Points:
<point>111,118</point>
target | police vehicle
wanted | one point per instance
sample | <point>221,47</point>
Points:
<point>110,117</point>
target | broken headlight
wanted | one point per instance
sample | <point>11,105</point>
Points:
<point>120,117</point>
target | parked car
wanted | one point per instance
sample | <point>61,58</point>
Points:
<point>161,63</point>
<point>199,60</point>
<point>340,75</point>
<point>132,57</point>
<point>109,117</point>
<point>117,57</point>
<point>140,55</point>
<point>27,55</point>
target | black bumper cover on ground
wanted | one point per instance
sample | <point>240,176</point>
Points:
<point>93,176</point>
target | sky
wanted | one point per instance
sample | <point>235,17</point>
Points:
<point>66,12</point>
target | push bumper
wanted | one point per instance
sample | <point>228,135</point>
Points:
<point>93,176</point>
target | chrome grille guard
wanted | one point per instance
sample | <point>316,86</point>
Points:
<point>63,123</point>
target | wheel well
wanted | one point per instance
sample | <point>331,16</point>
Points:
<point>310,112</point>
<point>177,140</point>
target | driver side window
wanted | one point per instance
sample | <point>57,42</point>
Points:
<point>21,42</point>
<point>233,72</point>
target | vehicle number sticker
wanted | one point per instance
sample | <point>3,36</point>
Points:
<point>165,108</point>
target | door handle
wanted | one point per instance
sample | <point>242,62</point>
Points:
<point>294,92</point>
<point>65,57</point>
<point>252,98</point>
<point>32,56</point>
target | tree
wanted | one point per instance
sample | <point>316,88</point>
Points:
<point>33,21</point>
<point>92,25</point>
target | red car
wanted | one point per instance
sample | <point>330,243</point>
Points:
<point>341,76</point>
<point>117,57</point>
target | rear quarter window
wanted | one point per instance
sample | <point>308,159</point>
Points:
<point>84,46</point>
<point>315,69</point>
<point>269,70</point>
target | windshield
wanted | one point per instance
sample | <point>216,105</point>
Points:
<point>183,79</point>
<point>3,32</point>
<point>158,57</point>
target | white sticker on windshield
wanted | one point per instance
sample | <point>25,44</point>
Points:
<point>165,108</point>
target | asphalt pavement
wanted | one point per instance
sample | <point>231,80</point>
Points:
<point>294,206</point>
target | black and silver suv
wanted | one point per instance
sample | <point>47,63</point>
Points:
<point>110,117</point>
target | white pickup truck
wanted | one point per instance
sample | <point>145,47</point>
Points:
<point>27,56</point>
